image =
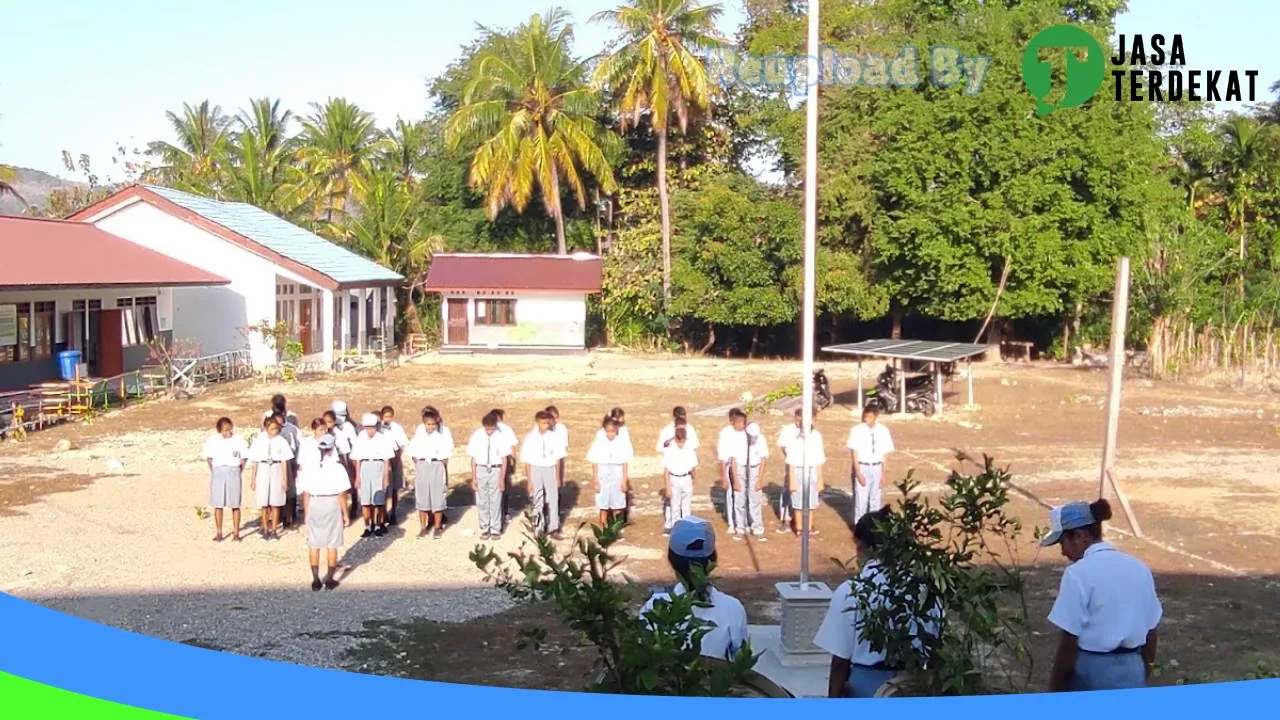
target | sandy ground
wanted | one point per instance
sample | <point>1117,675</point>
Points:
<point>110,529</point>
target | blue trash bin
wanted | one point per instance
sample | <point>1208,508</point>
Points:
<point>67,362</point>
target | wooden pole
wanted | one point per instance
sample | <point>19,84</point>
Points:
<point>1119,322</point>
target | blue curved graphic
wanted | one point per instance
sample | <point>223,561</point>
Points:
<point>60,651</point>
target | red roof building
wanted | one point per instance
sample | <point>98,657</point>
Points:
<point>69,286</point>
<point>510,302</point>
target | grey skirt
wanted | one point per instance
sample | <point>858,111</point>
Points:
<point>225,486</point>
<point>611,496</point>
<point>372,491</point>
<point>431,486</point>
<point>324,522</point>
<point>270,484</point>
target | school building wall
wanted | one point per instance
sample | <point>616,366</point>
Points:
<point>543,319</point>
<point>19,375</point>
<point>217,319</point>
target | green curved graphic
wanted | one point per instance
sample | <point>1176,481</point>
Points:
<point>22,699</point>
<point>1083,79</point>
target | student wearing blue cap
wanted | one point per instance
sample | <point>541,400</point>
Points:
<point>693,544</point>
<point>1107,608</point>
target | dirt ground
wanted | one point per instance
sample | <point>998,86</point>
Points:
<point>112,528</point>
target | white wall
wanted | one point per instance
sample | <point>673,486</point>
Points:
<point>543,319</point>
<point>216,318</point>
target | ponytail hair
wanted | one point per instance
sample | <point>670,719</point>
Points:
<point>1100,510</point>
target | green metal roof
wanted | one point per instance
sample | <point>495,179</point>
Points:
<point>283,237</point>
<point>927,350</point>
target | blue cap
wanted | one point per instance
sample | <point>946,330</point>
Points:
<point>693,537</point>
<point>327,442</point>
<point>1071,516</point>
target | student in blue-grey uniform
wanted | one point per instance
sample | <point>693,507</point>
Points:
<point>226,453</point>
<point>856,670</point>
<point>1107,609</point>
<point>324,490</point>
<point>372,452</point>
<point>430,450</point>
<point>488,449</point>
<point>609,456</point>
<point>693,545</point>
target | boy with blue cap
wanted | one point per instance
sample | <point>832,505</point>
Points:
<point>693,544</point>
<point>1107,608</point>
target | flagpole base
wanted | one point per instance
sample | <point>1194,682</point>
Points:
<point>803,607</point>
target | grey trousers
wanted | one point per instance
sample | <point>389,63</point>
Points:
<point>545,492</point>
<point>489,498</point>
<point>748,506</point>
<point>867,499</point>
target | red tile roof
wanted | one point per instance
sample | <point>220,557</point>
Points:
<point>40,254</point>
<point>497,271</point>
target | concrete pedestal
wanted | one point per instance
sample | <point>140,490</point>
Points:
<point>803,607</point>
<point>803,676</point>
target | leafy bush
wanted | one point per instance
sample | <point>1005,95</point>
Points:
<point>635,657</point>
<point>960,555</point>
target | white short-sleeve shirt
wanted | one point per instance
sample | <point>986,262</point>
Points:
<point>270,449</point>
<point>328,478</point>
<point>733,446</point>
<point>308,454</point>
<point>396,434</point>
<point>506,429</point>
<point>668,434</point>
<point>345,434</point>
<point>542,449</point>
<point>872,444</point>
<point>1108,600</point>
<point>725,613</point>
<point>604,451</point>
<point>372,447</point>
<point>678,460</point>
<point>226,452</point>
<point>486,449</point>
<point>563,431</point>
<point>807,449</point>
<point>839,633</point>
<point>436,445</point>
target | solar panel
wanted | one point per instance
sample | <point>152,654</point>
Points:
<point>926,350</point>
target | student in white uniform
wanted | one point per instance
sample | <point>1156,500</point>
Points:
<point>270,454</point>
<point>291,436</point>
<point>488,448</point>
<point>430,449</point>
<point>805,448</point>
<point>324,497</point>
<point>609,457</point>
<point>398,440</point>
<point>344,434</point>
<point>679,463</point>
<point>693,545</point>
<point>560,429</point>
<point>280,405</point>
<point>619,416</point>
<point>309,451</point>
<point>786,510</point>
<point>540,454</point>
<point>745,456</point>
<point>679,419</point>
<point>1107,609</point>
<point>226,453</point>
<point>509,465</point>
<point>857,671</point>
<point>732,436</point>
<point>869,446</point>
<point>372,453</point>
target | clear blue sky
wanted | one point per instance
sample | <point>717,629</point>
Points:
<point>85,76</point>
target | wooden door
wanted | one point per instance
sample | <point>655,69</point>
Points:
<point>304,326</point>
<point>110,348</point>
<point>457,331</point>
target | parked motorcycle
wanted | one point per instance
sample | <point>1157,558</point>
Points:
<point>822,398</point>
<point>921,391</point>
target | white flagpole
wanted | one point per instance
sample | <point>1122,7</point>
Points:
<point>810,276</point>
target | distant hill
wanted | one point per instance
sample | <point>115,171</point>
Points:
<point>35,187</point>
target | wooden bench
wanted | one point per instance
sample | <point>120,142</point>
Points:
<point>1016,350</point>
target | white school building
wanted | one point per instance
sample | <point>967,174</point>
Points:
<point>330,298</point>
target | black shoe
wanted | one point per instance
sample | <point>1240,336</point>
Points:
<point>368,532</point>
<point>316,585</point>
<point>439,533</point>
<point>380,531</point>
<point>391,518</point>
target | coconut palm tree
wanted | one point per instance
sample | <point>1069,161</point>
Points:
<point>261,154</point>
<point>339,143</point>
<point>193,163</point>
<point>656,72</point>
<point>533,119</point>
<point>1243,154</point>
<point>408,146</point>
<point>8,177</point>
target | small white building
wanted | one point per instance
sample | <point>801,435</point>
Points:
<point>277,271</point>
<point>496,302</point>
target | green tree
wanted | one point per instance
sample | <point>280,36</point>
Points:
<point>8,179</point>
<point>192,163</point>
<point>260,169</point>
<point>1244,139</point>
<point>656,72</point>
<point>406,151</point>
<point>338,146</point>
<point>532,121</point>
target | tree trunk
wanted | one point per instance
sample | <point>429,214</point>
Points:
<point>755,342</point>
<point>1066,341</point>
<point>996,334</point>
<point>664,201</point>
<point>557,212</point>
<point>711,339</point>
<point>895,315</point>
<point>411,310</point>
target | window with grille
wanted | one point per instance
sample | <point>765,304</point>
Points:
<point>495,312</point>
<point>36,333</point>
<point>138,321</point>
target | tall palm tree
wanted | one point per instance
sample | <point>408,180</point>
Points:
<point>8,177</point>
<point>338,145</point>
<point>656,72</point>
<point>203,132</point>
<point>534,119</point>
<point>1243,138</point>
<point>389,230</point>
<point>261,171</point>
<point>408,146</point>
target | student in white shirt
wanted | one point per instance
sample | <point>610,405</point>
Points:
<point>560,429</point>
<point>372,453</point>
<point>395,433</point>
<point>744,455</point>
<point>1107,609</point>
<point>856,670</point>
<point>288,431</point>
<point>869,445</point>
<point>226,453</point>
<point>270,454</point>
<point>541,454</point>
<point>786,436</point>
<point>488,448</point>
<point>509,465</point>
<point>308,459</point>
<point>430,449</point>
<point>679,463</point>
<point>620,417</point>
<point>343,435</point>
<point>805,448</point>
<point>609,456</point>
<point>732,437</point>
<point>324,497</point>
<point>693,545</point>
<point>679,417</point>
